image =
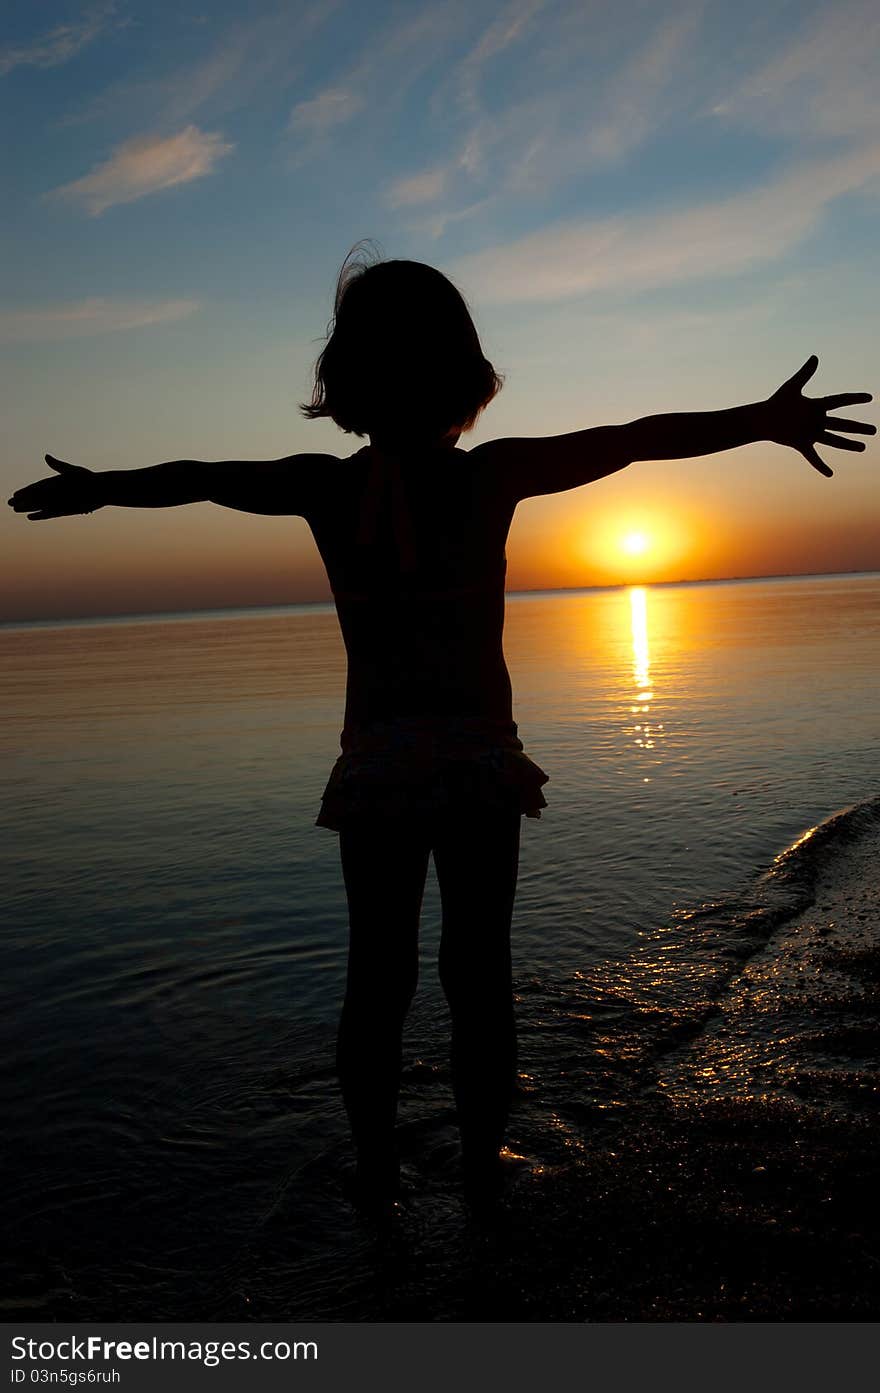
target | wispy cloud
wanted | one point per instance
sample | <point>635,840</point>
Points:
<point>721,238</point>
<point>332,107</point>
<point>146,165</point>
<point>567,131</point>
<point>59,45</point>
<point>505,29</point>
<point>378,81</point>
<point>559,116</point>
<point>417,188</point>
<point>825,81</point>
<point>87,317</point>
<point>428,185</point>
<point>645,88</point>
<point>263,52</point>
<point>434,223</point>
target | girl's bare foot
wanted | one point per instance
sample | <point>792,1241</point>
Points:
<point>489,1178</point>
<point>374,1186</point>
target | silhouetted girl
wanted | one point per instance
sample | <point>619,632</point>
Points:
<point>412,531</point>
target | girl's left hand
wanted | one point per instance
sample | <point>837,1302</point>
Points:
<point>803,422</point>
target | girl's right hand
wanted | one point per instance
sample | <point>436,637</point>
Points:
<point>73,489</point>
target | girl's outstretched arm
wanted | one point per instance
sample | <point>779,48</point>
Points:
<point>283,486</point>
<point>559,462</point>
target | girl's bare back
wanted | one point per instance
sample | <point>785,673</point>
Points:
<point>413,543</point>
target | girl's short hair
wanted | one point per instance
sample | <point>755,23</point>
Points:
<point>402,353</point>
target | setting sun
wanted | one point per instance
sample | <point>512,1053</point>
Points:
<point>635,543</point>
<point>639,542</point>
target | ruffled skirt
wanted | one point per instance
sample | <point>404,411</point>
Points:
<point>418,768</point>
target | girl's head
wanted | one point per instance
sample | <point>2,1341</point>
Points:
<point>402,357</point>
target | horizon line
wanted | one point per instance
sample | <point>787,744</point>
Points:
<point>123,617</point>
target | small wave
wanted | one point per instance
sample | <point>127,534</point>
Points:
<point>800,1019</point>
<point>801,864</point>
<point>632,1024</point>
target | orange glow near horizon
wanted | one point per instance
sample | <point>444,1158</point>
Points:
<point>148,561</point>
<point>637,547</point>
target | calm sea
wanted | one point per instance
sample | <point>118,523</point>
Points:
<point>174,923</point>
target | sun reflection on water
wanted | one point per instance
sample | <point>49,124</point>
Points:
<point>644,734</point>
<point>641,651</point>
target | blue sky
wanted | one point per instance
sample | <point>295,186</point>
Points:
<point>649,206</point>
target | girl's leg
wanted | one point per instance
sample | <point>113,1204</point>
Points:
<point>477,860</point>
<point>384,867</point>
